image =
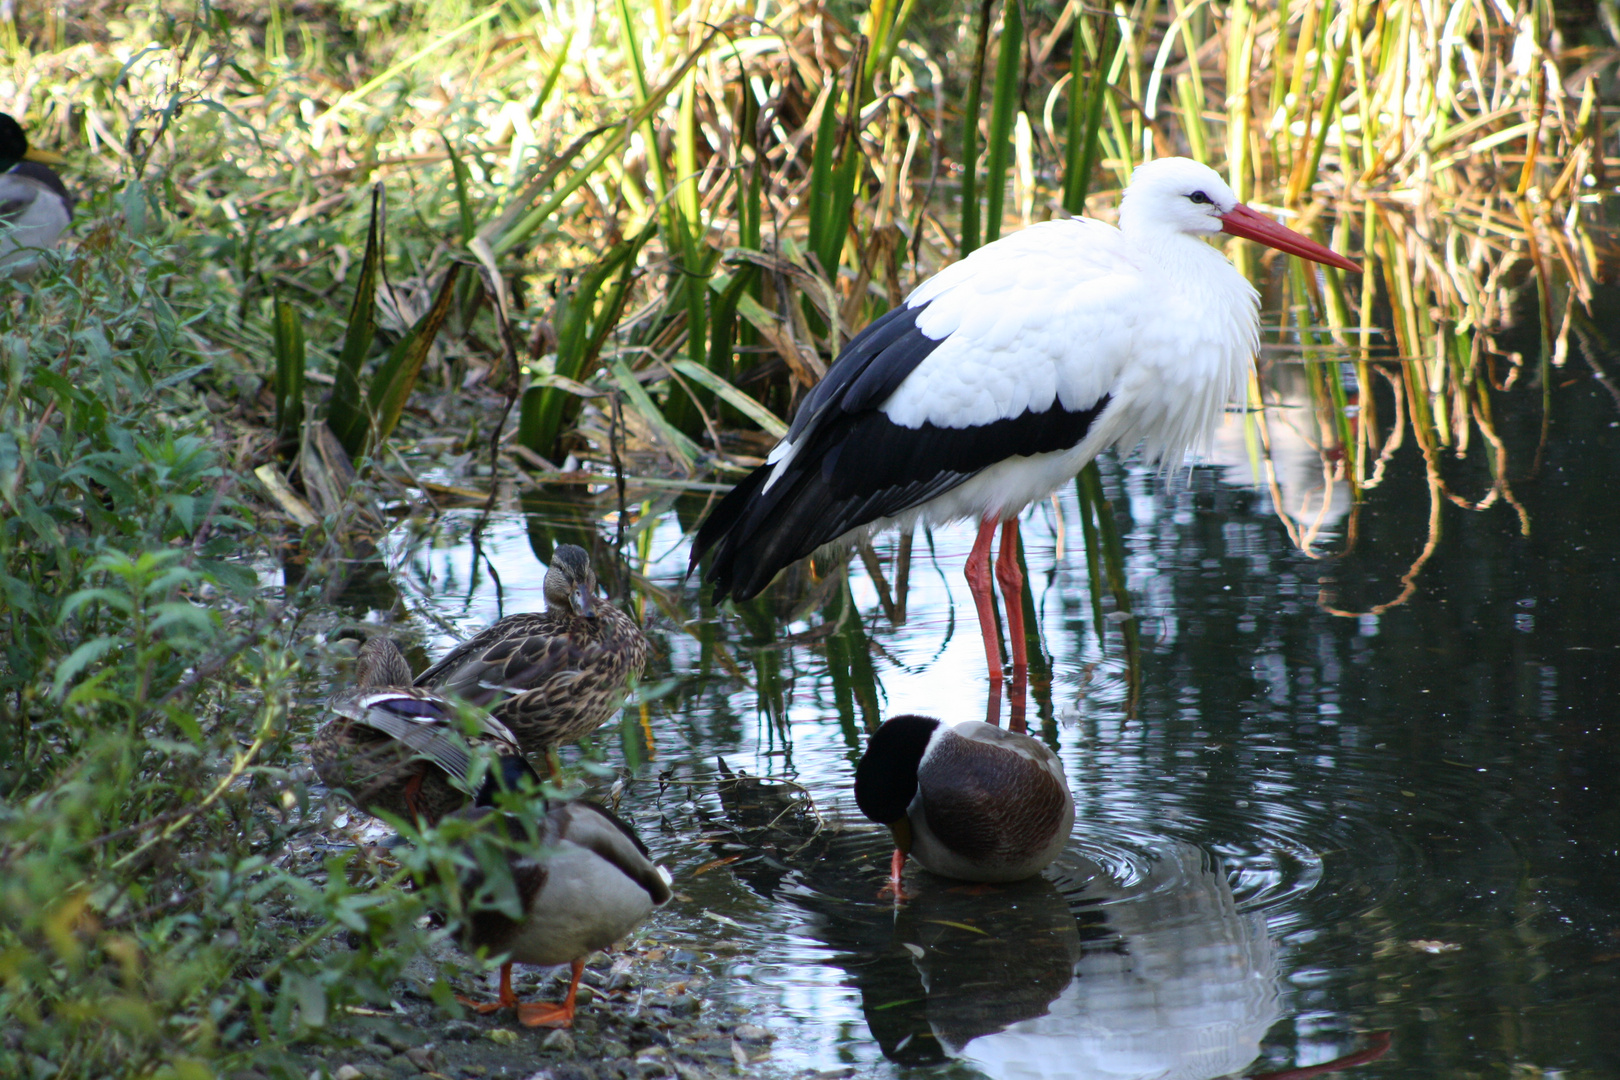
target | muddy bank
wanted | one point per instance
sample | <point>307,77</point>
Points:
<point>641,1015</point>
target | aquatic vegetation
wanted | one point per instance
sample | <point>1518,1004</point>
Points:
<point>640,231</point>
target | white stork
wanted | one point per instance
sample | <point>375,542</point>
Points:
<point>1000,377</point>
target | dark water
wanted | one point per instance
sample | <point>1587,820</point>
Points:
<point>1311,828</point>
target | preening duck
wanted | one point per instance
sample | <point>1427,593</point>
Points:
<point>1002,376</point>
<point>969,801</point>
<point>583,882</point>
<point>552,677</point>
<point>400,750</point>
<point>35,206</point>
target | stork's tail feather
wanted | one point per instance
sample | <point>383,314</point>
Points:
<point>720,533</point>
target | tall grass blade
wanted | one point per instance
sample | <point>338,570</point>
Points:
<point>759,414</point>
<point>1086,114</point>
<point>683,449</point>
<point>514,229</point>
<point>582,328</point>
<point>464,206</point>
<point>827,225</point>
<point>346,414</point>
<point>289,379</point>
<point>395,377</point>
<point>968,238</point>
<point>1003,107</point>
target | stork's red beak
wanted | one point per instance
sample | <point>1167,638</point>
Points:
<point>1252,225</point>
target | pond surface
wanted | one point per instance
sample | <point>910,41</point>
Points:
<point>1335,812</point>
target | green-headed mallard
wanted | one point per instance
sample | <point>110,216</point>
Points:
<point>584,882</point>
<point>399,749</point>
<point>552,677</point>
<point>972,802</point>
<point>35,207</point>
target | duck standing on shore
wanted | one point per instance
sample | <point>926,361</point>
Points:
<point>583,881</point>
<point>551,677</point>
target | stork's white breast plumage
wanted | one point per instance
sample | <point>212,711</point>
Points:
<point>1005,373</point>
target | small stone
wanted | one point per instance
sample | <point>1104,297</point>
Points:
<point>425,1058</point>
<point>560,1040</point>
<point>752,1033</point>
<point>348,1072</point>
<point>691,1072</point>
<point>502,1036</point>
<point>459,1030</point>
<point>685,1005</point>
<point>392,1041</point>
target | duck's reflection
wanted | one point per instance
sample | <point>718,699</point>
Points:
<point>1172,982</point>
<point>1073,974</point>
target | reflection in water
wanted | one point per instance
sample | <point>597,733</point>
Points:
<point>1078,973</point>
<point>1160,978</point>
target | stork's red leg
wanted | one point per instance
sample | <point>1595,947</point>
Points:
<point>546,1014</point>
<point>1016,697</point>
<point>1011,579</point>
<point>978,577</point>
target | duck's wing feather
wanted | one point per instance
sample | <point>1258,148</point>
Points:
<point>992,798</point>
<point>462,668</point>
<point>546,660</point>
<point>606,836</point>
<point>423,722</point>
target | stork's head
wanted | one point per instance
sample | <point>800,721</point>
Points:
<point>1178,195</point>
<point>1175,195</point>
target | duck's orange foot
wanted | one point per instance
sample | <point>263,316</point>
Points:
<point>546,1014</point>
<point>482,1008</point>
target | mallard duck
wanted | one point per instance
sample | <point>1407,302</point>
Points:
<point>552,677</point>
<point>584,882</point>
<point>969,801</point>
<point>398,749</point>
<point>35,207</point>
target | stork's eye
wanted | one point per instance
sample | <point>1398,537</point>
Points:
<point>1200,197</point>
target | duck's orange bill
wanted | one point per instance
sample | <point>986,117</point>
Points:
<point>1253,225</point>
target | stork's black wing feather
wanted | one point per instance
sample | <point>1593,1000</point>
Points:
<point>853,465</point>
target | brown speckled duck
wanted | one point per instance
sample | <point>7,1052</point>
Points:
<point>552,677</point>
<point>972,802</point>
<point>398,749</point>
<point>584,882</point>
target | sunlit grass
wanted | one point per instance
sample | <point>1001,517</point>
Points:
<point>668,221</point>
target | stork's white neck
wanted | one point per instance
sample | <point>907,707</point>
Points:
<point>1192,266</point>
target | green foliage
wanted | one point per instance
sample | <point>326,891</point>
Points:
<point>346,413</point>
<point>585,317</point>
<point>289,373</point>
